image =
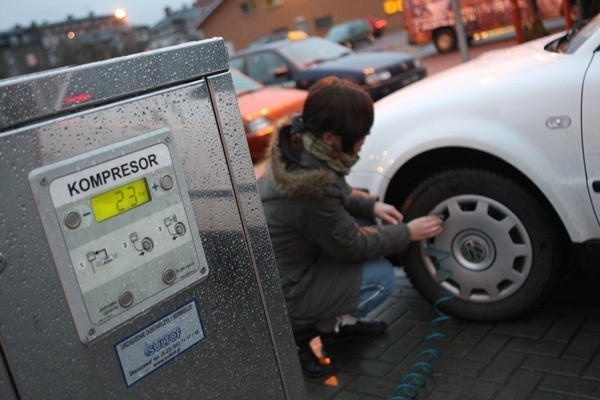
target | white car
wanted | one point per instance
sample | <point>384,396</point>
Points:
<point>507,149</point>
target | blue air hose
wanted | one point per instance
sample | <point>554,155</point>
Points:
<point>416,378</point>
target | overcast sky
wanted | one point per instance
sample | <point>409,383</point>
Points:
<point>141,12</point>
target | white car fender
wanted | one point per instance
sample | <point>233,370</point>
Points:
<point>557,171</point>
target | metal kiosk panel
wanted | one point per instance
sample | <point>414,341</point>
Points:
<point>84,313</point>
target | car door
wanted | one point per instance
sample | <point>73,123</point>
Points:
<point>269,68</point>
<point>590,120</point>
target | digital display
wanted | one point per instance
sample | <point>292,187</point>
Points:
<point>118,200</point>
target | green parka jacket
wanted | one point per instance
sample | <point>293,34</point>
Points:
<point>318,245</point>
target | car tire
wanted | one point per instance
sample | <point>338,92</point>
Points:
<point>499,254</point>
<point>444,39</point>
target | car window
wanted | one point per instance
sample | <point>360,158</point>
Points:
<point>237,63</point>
<point>313,51</point>
<point>243,84</point>
<point>584,34</point>
<point>262,66</point>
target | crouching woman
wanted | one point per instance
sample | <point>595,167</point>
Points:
<point>333,269</point>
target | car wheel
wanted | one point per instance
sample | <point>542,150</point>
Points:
<point>499,254</point>
<point>444,39</point>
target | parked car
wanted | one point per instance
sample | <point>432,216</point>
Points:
<point>378,25</point>
<point>261,108</point>
<point>505,148</point>
<point>300,63</point>
<point>352,32</point>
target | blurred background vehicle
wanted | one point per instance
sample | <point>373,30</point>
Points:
<point>262,107</point>
<point>433,20</point>
<point>300,63</point>
<point>352,32</point>
<point>517,183</point>
<point>378,25</point>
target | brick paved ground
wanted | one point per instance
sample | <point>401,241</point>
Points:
<point>551,355</point>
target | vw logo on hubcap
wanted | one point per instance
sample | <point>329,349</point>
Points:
<point>474,250</point>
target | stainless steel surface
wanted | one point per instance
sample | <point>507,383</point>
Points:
<point>43,95</point>
<point>248,351</point>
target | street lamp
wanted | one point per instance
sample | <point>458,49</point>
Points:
<point>121,16</point>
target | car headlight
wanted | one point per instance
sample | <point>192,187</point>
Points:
<point>258,124</point>
<point>375,77</point>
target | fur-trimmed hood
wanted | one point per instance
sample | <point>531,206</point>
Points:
<point>307,176</point>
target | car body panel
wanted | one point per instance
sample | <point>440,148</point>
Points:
<point>591,128</point>
<point>267,105</point>
<point>480,105</point>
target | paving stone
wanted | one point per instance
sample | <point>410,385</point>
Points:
<point>592,371</point>
<point>565,385</point>
<point>488,348</point>
<point>372,386</point>
<point>460,367</point>
<point>520,386</point>
<point>543,395</point>
<point>536,346</point>
<point>555,365</point>
<point>565,327</point>
<point>402,349</point>
<point>583,346</point>
<point>503,366</point>
<point>520,330</point>
<point>473,388</point>
<point>473,333</point>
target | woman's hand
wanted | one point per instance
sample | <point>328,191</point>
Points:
<point>387,213</point>
<point>425,227</point>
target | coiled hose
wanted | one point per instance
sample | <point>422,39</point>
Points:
<point>416,378</point>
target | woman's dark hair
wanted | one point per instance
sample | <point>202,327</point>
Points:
<point>341,107</point>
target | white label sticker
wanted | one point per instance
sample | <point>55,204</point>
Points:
<point>159,343</point>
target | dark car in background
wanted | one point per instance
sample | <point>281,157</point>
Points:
<point>351,33</point>
<point>378,25</point>
<point>300,63</point>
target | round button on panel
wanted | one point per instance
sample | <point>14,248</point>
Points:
<point>166,182</point>
<point>180,228</point>
<point>126,299</point>
<point>169,276</point>
<point>73,220</point>
<point>147,244</point>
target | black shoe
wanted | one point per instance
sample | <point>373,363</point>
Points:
<point>312,365</point>
<point>359,330</point>
<point>315,367</point>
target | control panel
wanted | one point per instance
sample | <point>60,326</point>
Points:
<point>121,229</point>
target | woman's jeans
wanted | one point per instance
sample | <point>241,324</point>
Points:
<point>378,283</point>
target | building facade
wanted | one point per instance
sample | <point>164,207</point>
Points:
<point>73,41</point>
<point>241,22</point>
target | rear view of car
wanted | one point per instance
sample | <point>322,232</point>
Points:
<point>351,33</point>
<point>261,107</point>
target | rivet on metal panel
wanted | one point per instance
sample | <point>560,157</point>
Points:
<point>167,139</point>
<point>43,181</point>
<point>3,263</point>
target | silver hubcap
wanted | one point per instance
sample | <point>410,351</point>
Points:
<point>484,253</point>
